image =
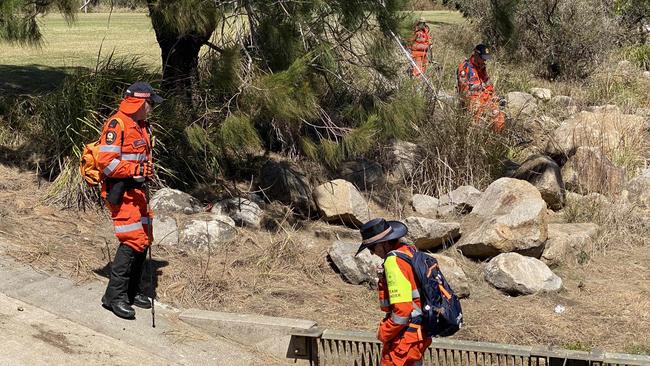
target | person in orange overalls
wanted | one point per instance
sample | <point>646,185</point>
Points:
<point>403,339</point>
<point>125,159</point>
<point>420,44</point>
<point>475,89</point>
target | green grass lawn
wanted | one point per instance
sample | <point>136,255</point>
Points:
<point>68,47</point>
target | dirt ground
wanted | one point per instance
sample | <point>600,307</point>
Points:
<point>287,274</point>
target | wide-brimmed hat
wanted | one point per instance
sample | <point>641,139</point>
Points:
<point>422,20</point>
<point>379,230</point>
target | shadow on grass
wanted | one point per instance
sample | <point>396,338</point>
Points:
<point>32,79</point>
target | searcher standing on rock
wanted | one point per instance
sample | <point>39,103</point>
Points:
<point>125,159</point>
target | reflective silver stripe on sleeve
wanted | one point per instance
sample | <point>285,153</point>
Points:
<point>109,169</point>
<point>146,220</point>
<point>110,149</point>
<point>415,294</point>
<point>127,228</point>
<point>384,303</point>
<point>134,157</point>
<point>402,320</point>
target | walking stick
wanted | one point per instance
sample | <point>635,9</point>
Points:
<point>151,267</point>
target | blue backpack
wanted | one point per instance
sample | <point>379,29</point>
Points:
<point>442,315</point>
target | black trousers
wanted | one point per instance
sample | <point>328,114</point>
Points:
<point>126,276</point>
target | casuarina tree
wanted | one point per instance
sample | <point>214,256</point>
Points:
<point>18,21</point>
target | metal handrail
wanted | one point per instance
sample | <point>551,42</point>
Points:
<point>333,347</point>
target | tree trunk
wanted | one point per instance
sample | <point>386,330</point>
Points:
<point>180,54</point>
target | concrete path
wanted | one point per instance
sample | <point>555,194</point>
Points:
<point>64,324</point>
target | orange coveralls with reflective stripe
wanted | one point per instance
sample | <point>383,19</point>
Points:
<point>419,48</point>
<point>120,153</point>
<point>403,340</point>
<point>477,94</point>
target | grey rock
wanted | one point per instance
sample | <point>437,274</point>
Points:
<point>364,174</point>
<point>542,94</point>
<point>462,199</point>
<point>544,173</point>
<point>510,217</point>
<point>589,170</point>
<point>590,129</point>
<point>515,274</point>
<point>639,191</point>
<point>284,182</point>
<point>165,230</point>
<point>520,104</point>
<point>428,234</point>
<point>174,201</point>
<point>606,108</point>
<point>454,274</point>
<point>243,211</point>
<point>355,269</point>
<point>206,230</point>
<point>567,240</point>
<point>403,157</point>
<point>425,205</point>
<point>340,201</point>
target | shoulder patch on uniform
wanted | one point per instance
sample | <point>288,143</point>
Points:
<point>113,123</point>
<point>110,137</point>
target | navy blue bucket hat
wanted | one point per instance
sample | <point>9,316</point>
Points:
<point>379,230</point>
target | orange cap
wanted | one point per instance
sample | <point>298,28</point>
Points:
<point>131,105</point>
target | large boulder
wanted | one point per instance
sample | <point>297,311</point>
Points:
<point>516,274</point>
<point>454,274</point>
<point>566,240</point>
<point>174,201</point>
<point>354,269</point>
<point>284,182</point>
<point>425,205</point>
<point>428,234</point>
<point>542,94</point>
<point>589,170</point>
<point>605,130</point>
<point>364,174</point>
<point>461,200</point>
<point>206,230</point>
<point>520,104</point>
<point>639,191</point>
<point>243,211</point>
<point>510,217</point>
<point>404,158</point>
<point>544,173</point>
<point>165,230</point>
<point>340,201</point>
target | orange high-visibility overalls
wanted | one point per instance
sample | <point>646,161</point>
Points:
<point>477,94</point>
<point>402,337</point>
<point>419,47</point>
<point>120,153</point>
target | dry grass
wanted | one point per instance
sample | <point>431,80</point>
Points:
<point>287,274</point>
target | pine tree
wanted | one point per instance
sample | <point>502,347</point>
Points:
<point>18,18</point>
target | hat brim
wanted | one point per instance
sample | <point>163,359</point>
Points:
<point>155,98</point>
<point>486,57</point>
<point>130,105</point>
<point>399,230</point>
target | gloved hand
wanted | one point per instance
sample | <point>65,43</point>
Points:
<point>144,169</point>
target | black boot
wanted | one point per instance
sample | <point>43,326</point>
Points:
<point>141,301</point>
<point>135,293</point>
<point>116,298</point>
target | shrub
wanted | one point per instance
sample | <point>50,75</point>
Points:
<point>561,37</point>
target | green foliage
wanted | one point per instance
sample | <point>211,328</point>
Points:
<point>184,17</point>
<point>578,346</point>
<point>562,38</point>
<point>221,77</point>
<point>18,18</point>
<point>639,55</point>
